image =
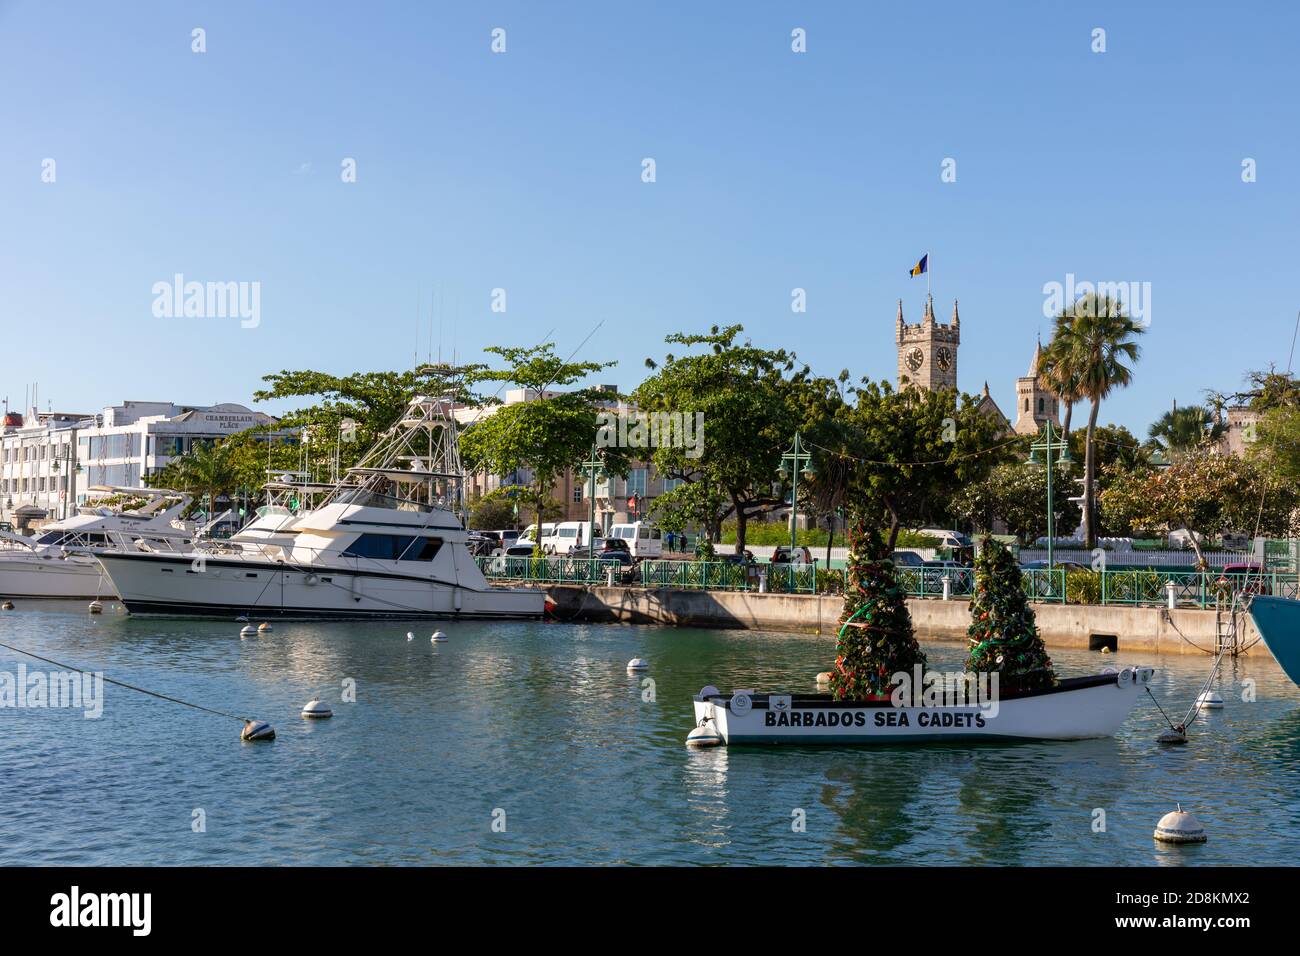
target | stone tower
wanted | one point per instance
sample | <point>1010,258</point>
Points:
<point>1035,402</point>
<point>927,353</point>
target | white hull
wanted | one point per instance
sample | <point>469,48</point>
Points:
<point>35,576</point>
<point>171,585</point>
<point>1077,709</point>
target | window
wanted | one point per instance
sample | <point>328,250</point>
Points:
<point>577,492</point>
<point>1040,406</point>
<point>393,547</point>
<point>636,481</point>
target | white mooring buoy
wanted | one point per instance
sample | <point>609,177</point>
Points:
<point>638,664</point>
<point>1178,826</point>
<point>96,607</point>
<point>257,730</point>
<point>705,735</point>
<point>824,679</point>
<point>264,628</point>
<point>7,606</point>
<point>410,636</point>
<point>438,637</point>
<point>1210,700</point>
<point>317,708</point>
<point>248,631</point>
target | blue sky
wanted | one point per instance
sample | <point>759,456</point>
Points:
<point>522,171</point>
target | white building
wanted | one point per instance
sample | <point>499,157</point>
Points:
<point>50,458</point>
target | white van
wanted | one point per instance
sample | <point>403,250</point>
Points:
<point>529,537</point>
<point>642,540</point>
<point>570,536</point>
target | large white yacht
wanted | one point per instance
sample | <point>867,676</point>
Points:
<point>59,561</point>
<point>385,541</point>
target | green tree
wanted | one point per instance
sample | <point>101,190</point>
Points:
<point>492,511</point>
<point>1059,368</point>
<point>1099,343</point>
<point>545,435</point>
<point>744,394</point>
<point>1016,495</point>
<point>1206,494</point>
<point>914,450</point>
<point>1180,430</point>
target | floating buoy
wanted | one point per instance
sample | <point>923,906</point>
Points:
<point>257,730</point>
<point>1105,649</point>
<point>1210,700</point>
<point>1172,737</point>
<point>7,606</point>
<point>824,679</point>
<point>316,708</point>
<point>638,664</point>
<point>438,637</point>
<point>1179,826</point>
<point>248,631</point>
<point>705,735</point>
<point>264,627</point>
<point>410,636</point>
<point>96,607</point>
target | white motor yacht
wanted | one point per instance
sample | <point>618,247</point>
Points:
<point>386,541</point>
<point>59,562</point>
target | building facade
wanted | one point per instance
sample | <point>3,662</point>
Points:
<point>49,460</point>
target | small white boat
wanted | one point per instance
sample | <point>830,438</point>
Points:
<point>1075,709</point>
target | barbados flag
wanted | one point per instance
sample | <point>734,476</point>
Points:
<point>922,266</point>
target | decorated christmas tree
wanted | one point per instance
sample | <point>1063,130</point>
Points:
<point>1003,636</point>
<point>876,637</point>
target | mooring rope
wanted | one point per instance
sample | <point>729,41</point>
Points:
<point>110,680</point>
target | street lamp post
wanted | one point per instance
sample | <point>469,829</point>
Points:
<point>790,468</point>
<point>592,467</point>
<point>1048,443</point>
<point>73,468</point>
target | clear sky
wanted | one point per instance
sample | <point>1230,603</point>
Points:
<point>523,171</point>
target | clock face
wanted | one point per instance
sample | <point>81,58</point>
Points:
<point>915,359</point>
<point>943,358</point>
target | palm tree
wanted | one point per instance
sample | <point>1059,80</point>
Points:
<point>1181,430</point>
<point>1059,371</point>
<point>207,471</point>
<point>1094,339</point>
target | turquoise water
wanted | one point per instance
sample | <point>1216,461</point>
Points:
<point>542,722</point>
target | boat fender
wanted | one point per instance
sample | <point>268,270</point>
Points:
<point>7,606</point>
<point>1145,675</point>
<point>96,607</point>
<point>741,703</point>
<point>708,690</point>
<point>705,735</point>
<point>311,579</point>
<point>1124,677</point>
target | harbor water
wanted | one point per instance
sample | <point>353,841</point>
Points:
<point>530,743</point>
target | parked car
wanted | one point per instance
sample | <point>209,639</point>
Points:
<point>614,544</point>
<point>482,545</point>
<point>628,570</point>
<point>784,555</point>
<point>961,577</point>
<point>908,559</point>
<point>644,541</point>
<point>1246,578</point>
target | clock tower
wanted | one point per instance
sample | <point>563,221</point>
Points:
<point>927,353</point>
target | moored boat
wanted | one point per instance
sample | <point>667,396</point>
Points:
<point>1278,621</point>
<point>1076,708</point>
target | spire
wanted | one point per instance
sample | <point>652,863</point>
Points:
<point>899,331</point>
<point>956,319</point>
<point>929,307</point>
<point>1033,364</point>
<point>986,389</point>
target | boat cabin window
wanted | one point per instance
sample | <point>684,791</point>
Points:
<point>393,547</point>
<point>51,537</point>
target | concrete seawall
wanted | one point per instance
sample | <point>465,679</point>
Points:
<point>1182,631</point>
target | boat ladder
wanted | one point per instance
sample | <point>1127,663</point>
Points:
<point>1226,637</point>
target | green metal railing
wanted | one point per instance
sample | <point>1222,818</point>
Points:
<point>695,575</point>
<point>1128,587</point>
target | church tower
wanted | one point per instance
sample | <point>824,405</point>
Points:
<point>1035,402</point>
<point>927,353</point>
